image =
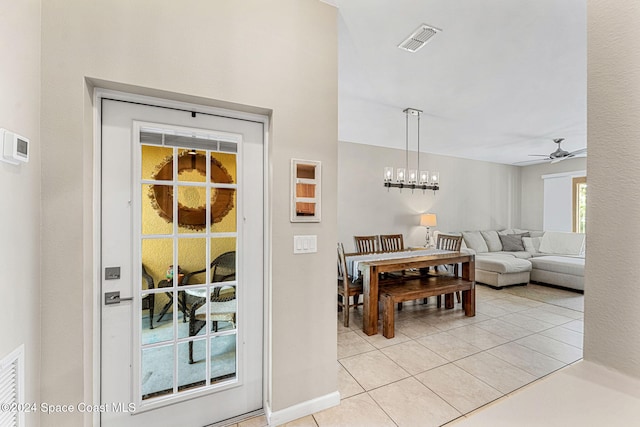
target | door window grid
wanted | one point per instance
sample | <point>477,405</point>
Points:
<point>176,342</point>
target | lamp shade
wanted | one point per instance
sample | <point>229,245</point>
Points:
<point>428,220</point>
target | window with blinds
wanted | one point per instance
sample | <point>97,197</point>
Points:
<point>12,388</point>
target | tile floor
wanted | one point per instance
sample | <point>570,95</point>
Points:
<point>442,365</point>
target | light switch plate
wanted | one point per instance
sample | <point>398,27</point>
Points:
<point>305,244</point>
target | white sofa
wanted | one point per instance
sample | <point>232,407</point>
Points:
<point>513,257</point>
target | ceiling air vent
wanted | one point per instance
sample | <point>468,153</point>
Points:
<point>419,38</point>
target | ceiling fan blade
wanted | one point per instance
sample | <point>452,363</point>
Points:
<point>580,151</point>
<point>539,155</point>
<point>559,159</point>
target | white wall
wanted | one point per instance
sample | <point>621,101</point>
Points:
<point>557,204</point>
<point>612,318</point>
<point>259,56</point>
<point>558,201</point>
<point>473,196</point>
<point>20,190</point>
<point>533,189</point>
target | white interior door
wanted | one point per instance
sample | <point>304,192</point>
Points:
<point>182,266</point>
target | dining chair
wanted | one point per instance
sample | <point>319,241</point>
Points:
<point>366,244</point>
<point>370,244</point>
<point>449,242</point>
<point>346,288</point>
<point>391,242</point>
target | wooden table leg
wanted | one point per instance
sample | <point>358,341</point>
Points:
<point>370,303</point>
<point>448,301</point>
<point>469,302</point>
<point>388,316</point>
<point>469,297</point>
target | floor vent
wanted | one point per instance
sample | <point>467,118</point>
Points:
<point>419,38</point>
<point>12,388</point>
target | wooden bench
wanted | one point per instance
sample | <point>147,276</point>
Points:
<point>424,287</point>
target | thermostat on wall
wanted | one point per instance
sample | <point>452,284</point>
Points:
<point>15,147</point>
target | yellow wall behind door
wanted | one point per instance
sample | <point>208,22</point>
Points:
<point>157,254</point>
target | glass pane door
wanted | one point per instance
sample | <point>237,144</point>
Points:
<point>188,243</point>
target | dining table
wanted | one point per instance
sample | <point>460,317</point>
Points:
<point>370,266</point>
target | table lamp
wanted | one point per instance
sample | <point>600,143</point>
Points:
<point>428,220</point>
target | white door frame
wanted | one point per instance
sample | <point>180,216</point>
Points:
<point>98,95</point>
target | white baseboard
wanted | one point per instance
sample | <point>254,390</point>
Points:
<point>302,409</point>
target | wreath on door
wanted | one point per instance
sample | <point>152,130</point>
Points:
<point>192,217</point>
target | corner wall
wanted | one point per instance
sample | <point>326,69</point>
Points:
<point>259,56</point>
<point>20,191</point>
<point>612,318</point>
<point>474,195</point>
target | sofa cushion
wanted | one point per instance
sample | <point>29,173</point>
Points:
<point>559,264</point>
<point>531,244</point>
<point>513,242</point>
<point>555,242</point>
<point>493,241</point>
<point>475,241</point>
<point>512,231</point>
<point>517,254</point>
<point>502,264</point>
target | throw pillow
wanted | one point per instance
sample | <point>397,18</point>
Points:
<point>475,241</point>
<point>513,242</point>
<point>493,241</point>
<point>531,244</point>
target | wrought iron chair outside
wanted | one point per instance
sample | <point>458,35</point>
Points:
<point>346,288</point>
<point>366,244</point>
<point>151,298</point>
<point>222,304</point>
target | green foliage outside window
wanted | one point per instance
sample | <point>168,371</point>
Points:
<point>582,208</point>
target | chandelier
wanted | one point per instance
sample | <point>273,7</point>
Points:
<point>412,178</point>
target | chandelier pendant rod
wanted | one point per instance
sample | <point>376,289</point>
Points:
<point>418,166</point>
<point>406,133</point>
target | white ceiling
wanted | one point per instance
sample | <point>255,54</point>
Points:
<point>502,79</point>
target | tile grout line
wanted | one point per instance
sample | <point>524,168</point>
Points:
<point>410,339</point>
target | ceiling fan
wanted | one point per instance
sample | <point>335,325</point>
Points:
<point>560,154</point>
